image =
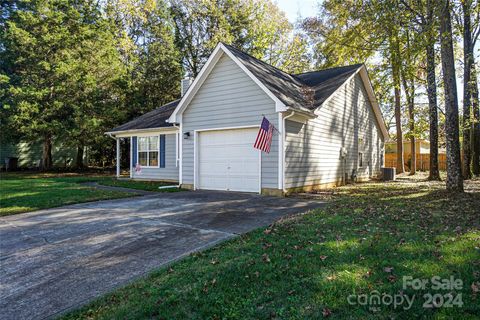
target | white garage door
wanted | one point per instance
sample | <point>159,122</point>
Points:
<point>228,161</point>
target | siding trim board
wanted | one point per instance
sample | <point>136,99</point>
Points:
<point>281,151</point>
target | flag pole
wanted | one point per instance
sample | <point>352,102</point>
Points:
<point>263,115</point>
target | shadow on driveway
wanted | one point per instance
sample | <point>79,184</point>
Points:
<point>58,259</point>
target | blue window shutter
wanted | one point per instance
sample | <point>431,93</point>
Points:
<point>162,151</point>
<point>134,151</point>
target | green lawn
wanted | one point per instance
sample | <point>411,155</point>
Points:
<point>140,185</point>
<point>364,242</point>
<point>20,192</point>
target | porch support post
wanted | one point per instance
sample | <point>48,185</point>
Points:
<point>131,158</point>
<point>118,157</point>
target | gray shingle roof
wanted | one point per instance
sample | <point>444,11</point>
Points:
<point>306,90</point>
<point>154,119</point>
<point>325,82</point>
<point>284,86</point>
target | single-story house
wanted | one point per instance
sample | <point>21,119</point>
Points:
<point>329,129</point>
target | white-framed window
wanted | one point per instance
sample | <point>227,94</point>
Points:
<point>148,151</point>
<point>361,151</point>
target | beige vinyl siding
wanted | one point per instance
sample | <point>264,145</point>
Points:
<point>229,98</point>
<point>312,154</point>
<point>170,172</point>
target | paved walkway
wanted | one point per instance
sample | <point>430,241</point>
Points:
<point>58,259</point>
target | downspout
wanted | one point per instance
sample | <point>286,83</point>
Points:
<point>284,136</point>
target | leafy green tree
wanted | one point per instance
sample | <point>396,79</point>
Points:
<point>35,44</point>
<point>95,88</point>
<point>360,31</point>
<point>256,27</point>
<point>146,37</point>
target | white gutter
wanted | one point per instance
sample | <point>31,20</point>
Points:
<point>140,130</point>
<point>284,137</point>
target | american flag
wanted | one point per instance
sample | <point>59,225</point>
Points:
<point>264,136</point>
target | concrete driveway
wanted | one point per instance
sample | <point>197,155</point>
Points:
<point>58,259</point>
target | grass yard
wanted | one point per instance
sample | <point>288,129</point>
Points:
<point>140,185</point>
<point>24,192</point>
<point>363,243</point>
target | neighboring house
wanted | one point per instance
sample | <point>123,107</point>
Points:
<point>329,127</point>
<point>29,154</point>
<point>422,146</point>
<point>422,150</point>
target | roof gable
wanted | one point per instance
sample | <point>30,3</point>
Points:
<point>206,70</point>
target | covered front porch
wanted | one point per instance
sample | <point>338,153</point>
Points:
<point>147,154</point>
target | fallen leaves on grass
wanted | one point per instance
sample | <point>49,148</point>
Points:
<point>326,312</point>
<point>388,269</point>
<point>475,287</point>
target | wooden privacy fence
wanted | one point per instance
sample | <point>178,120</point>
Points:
<point>423,161</point>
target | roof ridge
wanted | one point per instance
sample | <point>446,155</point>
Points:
<point>331,68</point>
<point>260,60</point>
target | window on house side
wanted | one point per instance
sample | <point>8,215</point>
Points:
<point>360,159</point>
<point>148,151</point>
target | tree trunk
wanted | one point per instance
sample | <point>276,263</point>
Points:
<point>46,163</point>
<point>434,173</point>
<point>395,61</point>
<point>398,124</point>
<point>476,124</point>
<point>79,158</point>
<point>467,90</point>
<point>413,162</point>
<point>432,112</point>
<point>454,171</point>
<point>409,87</point>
